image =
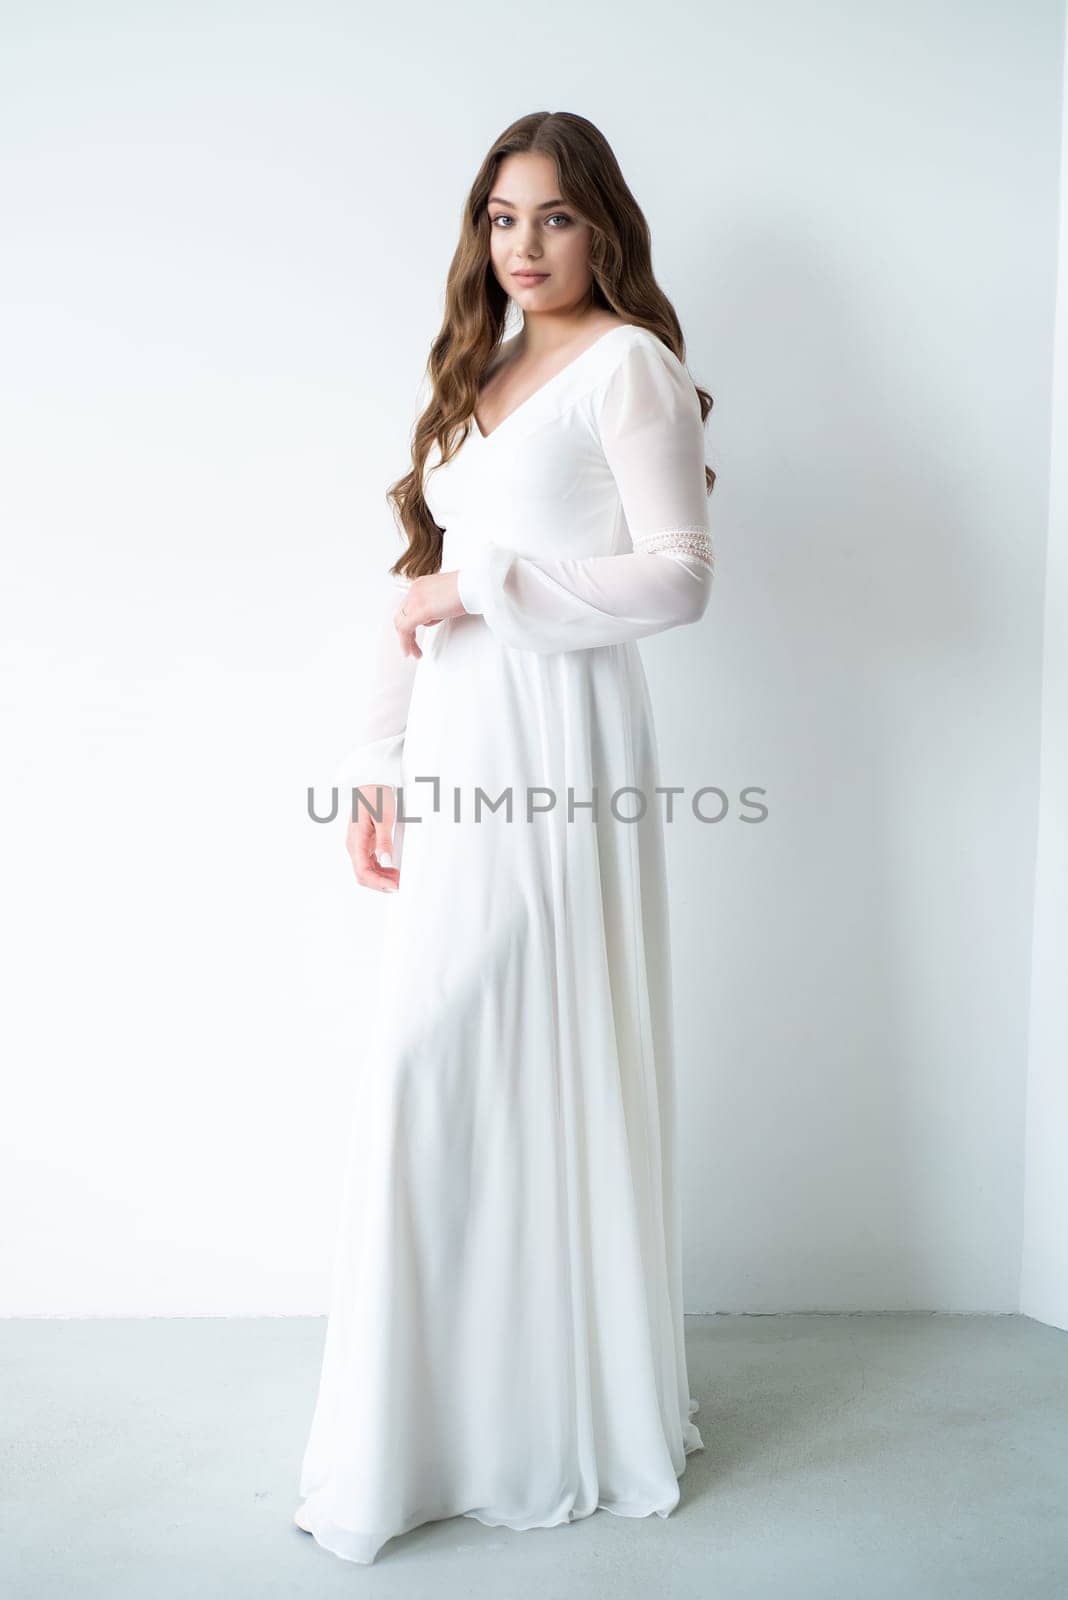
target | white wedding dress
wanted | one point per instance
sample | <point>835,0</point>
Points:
<point>505,1338</point>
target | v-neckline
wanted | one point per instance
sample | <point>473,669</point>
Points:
<point>564,370</point>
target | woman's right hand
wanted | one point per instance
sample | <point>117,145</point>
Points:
<point>364,836</point>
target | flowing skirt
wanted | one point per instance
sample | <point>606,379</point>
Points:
<point>505,1336</point>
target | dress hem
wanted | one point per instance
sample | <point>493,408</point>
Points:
<point>514,1526</point>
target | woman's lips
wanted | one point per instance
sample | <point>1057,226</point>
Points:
<point>530,277</point>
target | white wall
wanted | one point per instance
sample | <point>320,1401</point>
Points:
<point>1044,1274</point>
<point>228,228</point>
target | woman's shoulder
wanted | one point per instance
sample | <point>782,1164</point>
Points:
<point>640,366</point>
<point>633,344</point>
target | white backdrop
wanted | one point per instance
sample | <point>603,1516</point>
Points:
<point>227,229</point>
<point>1044,1274</point>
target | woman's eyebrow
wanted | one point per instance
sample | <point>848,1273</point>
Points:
<point>501,201</point>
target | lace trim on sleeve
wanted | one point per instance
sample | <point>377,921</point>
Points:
<point>696,542</point>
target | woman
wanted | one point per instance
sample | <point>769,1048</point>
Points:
<point>505,1338</point>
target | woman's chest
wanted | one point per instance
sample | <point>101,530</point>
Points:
<point>531,483</point>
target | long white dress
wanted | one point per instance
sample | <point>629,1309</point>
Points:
<point>505,1337</point>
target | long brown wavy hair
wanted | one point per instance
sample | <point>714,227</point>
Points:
<point>476,307</point>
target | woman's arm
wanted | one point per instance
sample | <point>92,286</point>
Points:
<point>375,758</point>
<point>652,434</point>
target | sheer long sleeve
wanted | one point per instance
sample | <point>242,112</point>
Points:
<point>375,758</point>
<point>649,420</point>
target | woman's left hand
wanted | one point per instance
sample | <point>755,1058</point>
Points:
<point>433,598</point>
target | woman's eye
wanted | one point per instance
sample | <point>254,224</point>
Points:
<point>557,216</point>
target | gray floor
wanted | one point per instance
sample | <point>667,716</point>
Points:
<point>904,1456</point>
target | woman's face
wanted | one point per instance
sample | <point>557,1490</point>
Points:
<point>532,230</point>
